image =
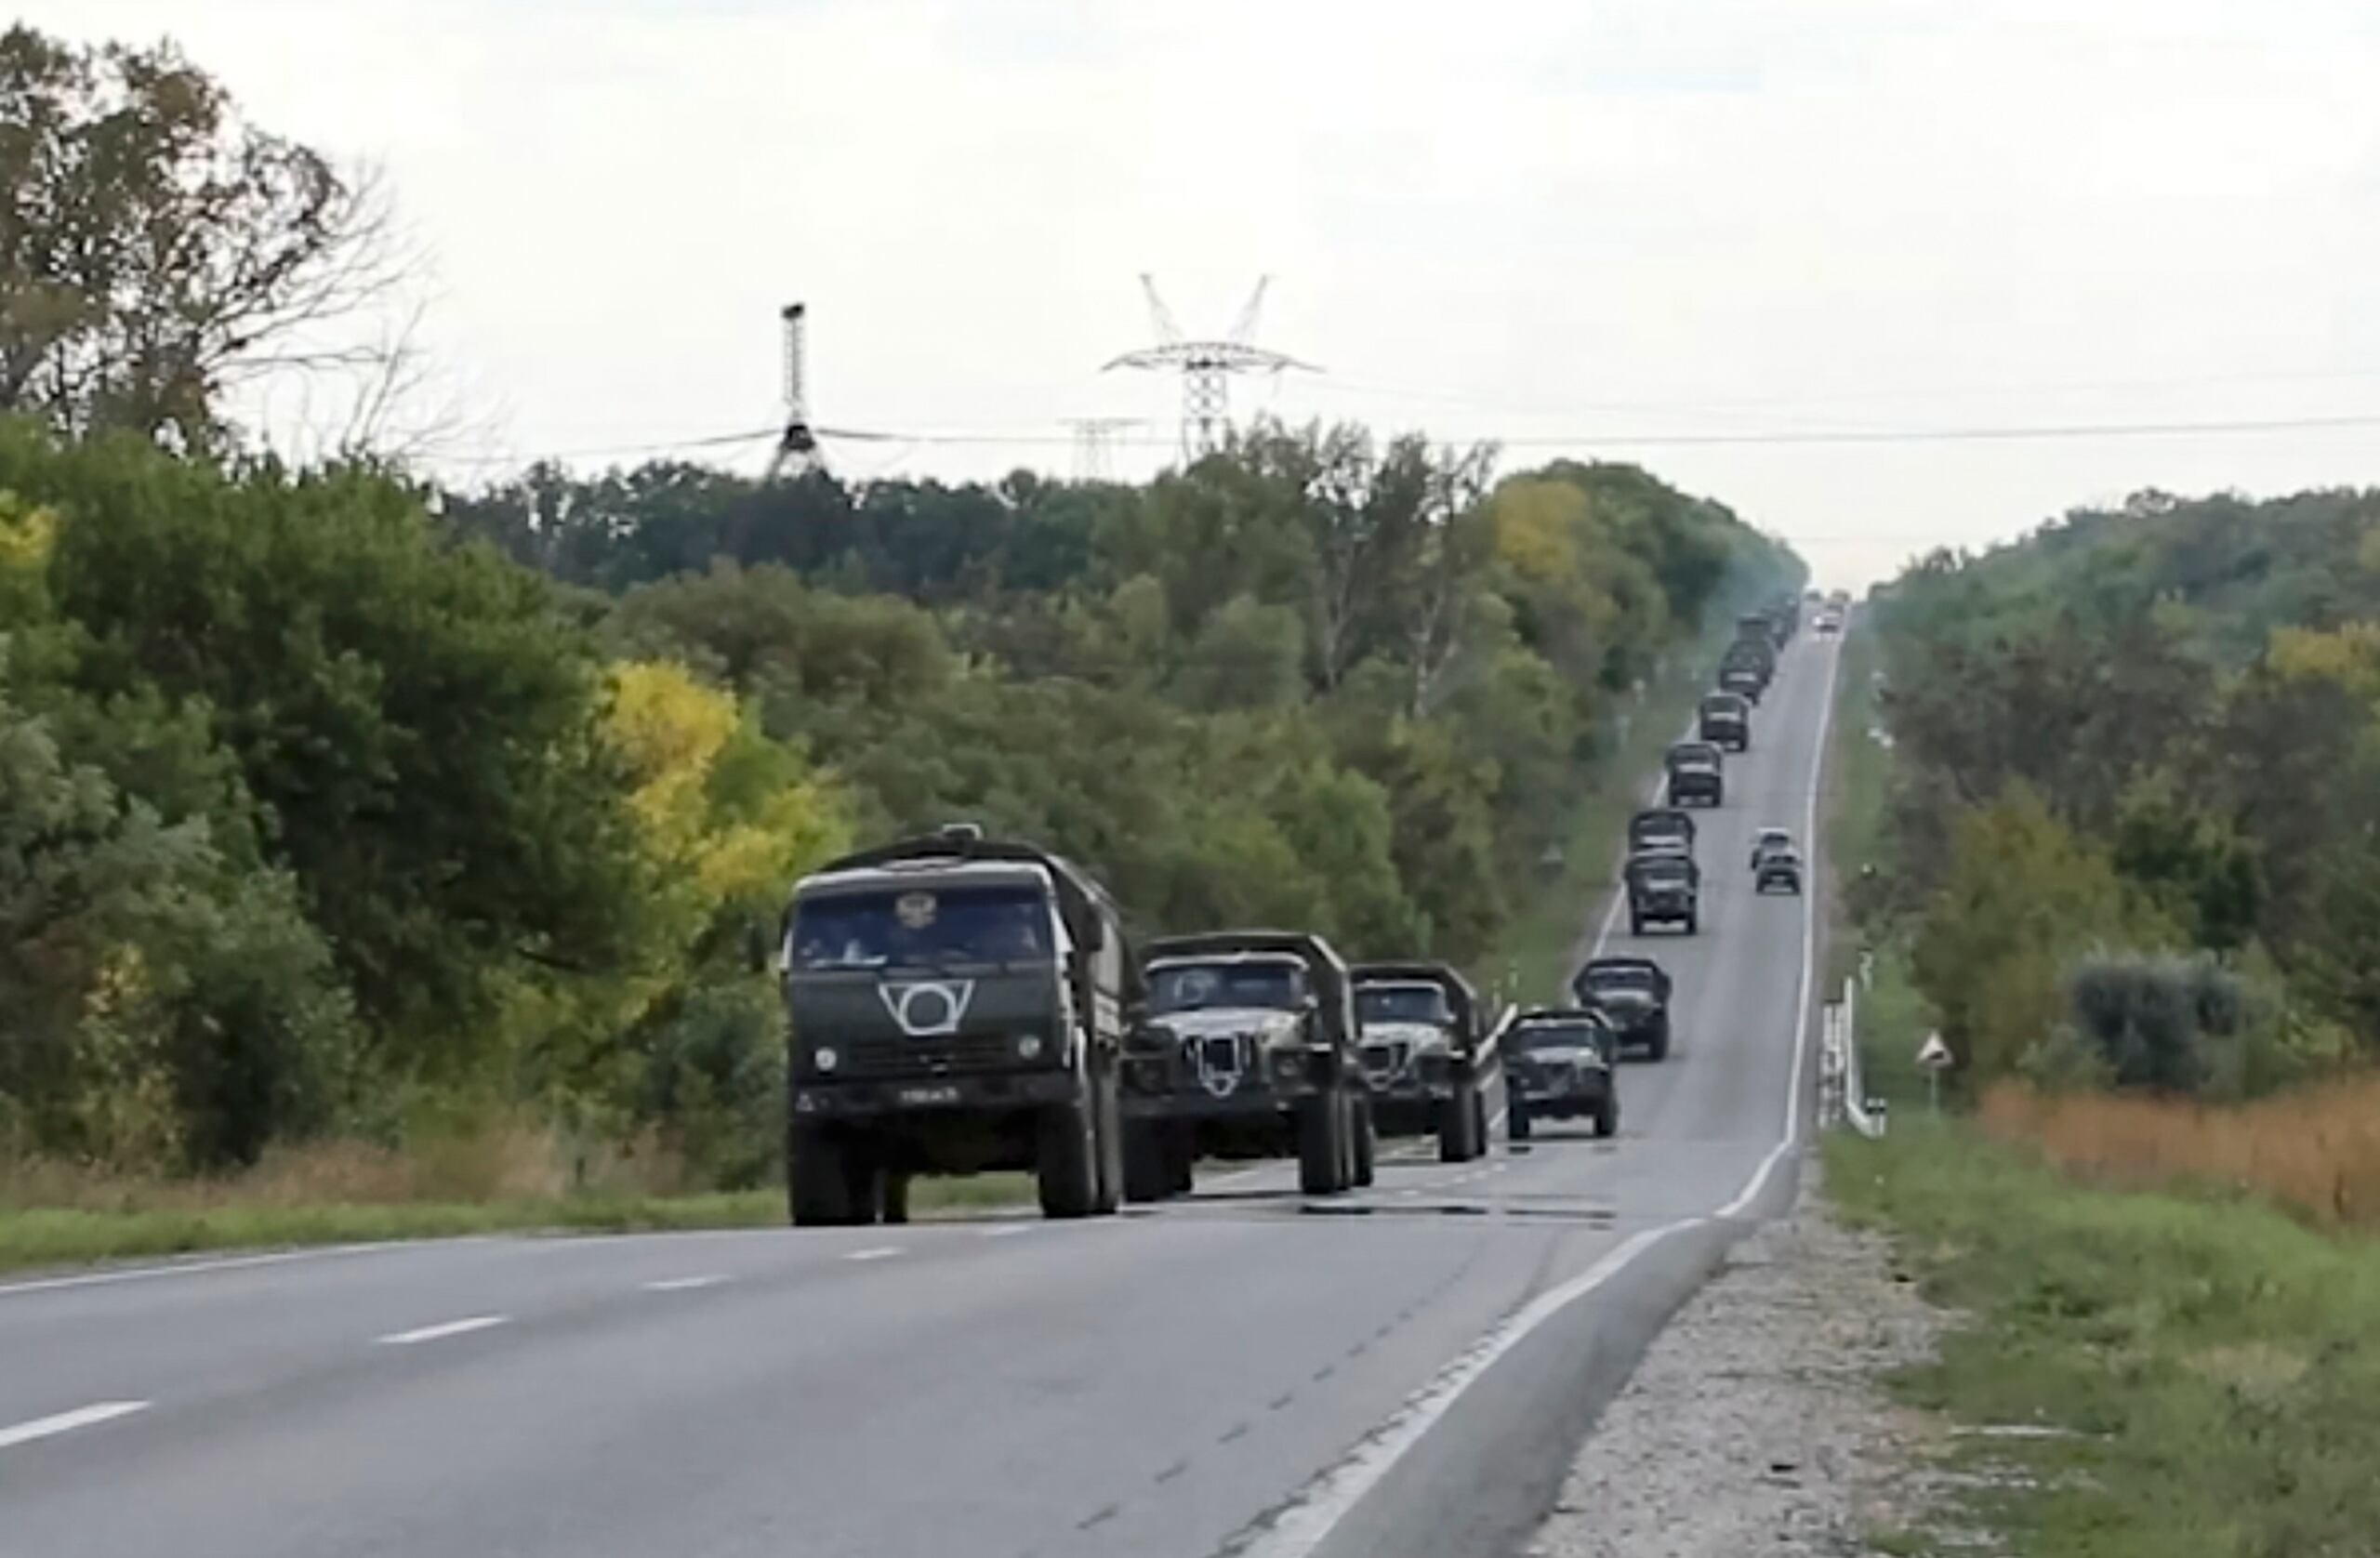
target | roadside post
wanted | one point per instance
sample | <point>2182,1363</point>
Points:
<point>1935,1056</point>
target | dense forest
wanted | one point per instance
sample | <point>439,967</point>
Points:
<point>337,803</point>
<point>2134,833</point>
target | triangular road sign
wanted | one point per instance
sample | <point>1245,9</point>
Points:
<point>1934,1052</point>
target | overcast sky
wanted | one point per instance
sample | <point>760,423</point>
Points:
<point>1564,225</point>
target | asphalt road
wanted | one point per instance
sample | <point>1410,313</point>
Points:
<point>1405,1370</point>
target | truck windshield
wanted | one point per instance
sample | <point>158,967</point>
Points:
<point>1194,986</point>
<point>1622,978</point>
<point>1402,1003</point>
<point>921,928</point>
<point>1533,1036</point>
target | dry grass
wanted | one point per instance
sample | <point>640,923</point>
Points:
<point>2315,1152</point>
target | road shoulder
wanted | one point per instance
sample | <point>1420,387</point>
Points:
<point>1759,1421</point>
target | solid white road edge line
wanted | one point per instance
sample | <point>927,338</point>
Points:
<point>1306,1523</point>
<point>442,1330</point>
<point>66,1422</point>
<point>1316,1512</point>
<point>193,1267</point>
<point>685,1284</point>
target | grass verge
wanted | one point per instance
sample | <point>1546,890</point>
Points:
<point>169,1224</point>
<point>2142,1375</point>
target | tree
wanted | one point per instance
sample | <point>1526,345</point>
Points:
<point>157,249</point>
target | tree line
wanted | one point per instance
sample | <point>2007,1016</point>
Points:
<point>2134,836</point>
<point>335,803</point>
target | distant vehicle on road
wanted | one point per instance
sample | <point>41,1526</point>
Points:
<point>1661,830</point>
<point>1767,840</point>
<point>1633,995</point>
<point>957,1005</point>
<point>1664,889</point>
<point>1247,1050</point>
<point>1559,1064</point>
<point>1778,871</point>
<point>1696,774</point>
<point>1424,1032</point>
<point>1725,719</point>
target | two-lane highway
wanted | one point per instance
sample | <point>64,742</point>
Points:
<point>1401,1371</point>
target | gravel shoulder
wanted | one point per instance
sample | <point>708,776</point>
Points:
<point>1758,1421</point>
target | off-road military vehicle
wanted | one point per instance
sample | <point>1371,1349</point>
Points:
<point>1633,993</point>
<point>1743,681</point>
<point>957,1004</point>
<point>1558,1065</point>
<point>1778,871</point>
<point>1661,830</point>
<point>1664,889</point>
<point>1247,1050</point>
<point>1724,720</point>
<point>1696,774</point>
<point>1425,1055</point>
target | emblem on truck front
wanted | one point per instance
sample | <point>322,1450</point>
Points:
<point>928,1008</point>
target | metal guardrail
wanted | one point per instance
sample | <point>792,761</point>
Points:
<point>1842,1100</point>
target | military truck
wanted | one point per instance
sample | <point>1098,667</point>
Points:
<point>1559,1064</point>
<point>1426,1056</point>
<point>957,1005</point>
<point>1664,889</point>
<point>1248,1048</point>
<point>1633,993</point>
<point>1661,830</point>
<point>1696,774</point>
<point>1724,719</point>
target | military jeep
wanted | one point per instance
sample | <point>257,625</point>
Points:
<point>1424,1054</point>
<point>1246,1048</point>
<point>957,1005</point>
<point>1559,1064</point>
<point>1633,993</point>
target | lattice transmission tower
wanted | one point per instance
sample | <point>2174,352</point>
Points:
<point>1206,366</point>
<point>1095,445</point>
<point>797,448</point>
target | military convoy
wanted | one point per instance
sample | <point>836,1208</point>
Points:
<point>1427,1054</point>
<point>960,1004</point>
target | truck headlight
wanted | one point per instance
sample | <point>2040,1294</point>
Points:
<point>824,1058</point>
<point>1288,1064</point>
<point>1028,1047</point>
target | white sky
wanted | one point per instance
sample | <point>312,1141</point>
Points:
<point>1573,221</point>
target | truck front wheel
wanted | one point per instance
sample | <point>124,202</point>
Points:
<point>1322,1145</point>
<point>817,1172</point>
<point>1068,1158</point>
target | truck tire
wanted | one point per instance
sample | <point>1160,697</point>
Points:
<point>1367,1143</point>
<point>897,1196</point>
<point>1149,1175</point>
<point>1181,1158</point>
<point>1693,923</point>
<point>1067,1159</point>
<point>1322,1145</point>
<point>1457,1138</point>
<point>1657,1047</point>
<point>817,1194</point>
<point>1635,923</point>
<point>1516,1117</point>
<point>1607,1118</point>
<point>1478,1123</point>
<point>1108,1126</point>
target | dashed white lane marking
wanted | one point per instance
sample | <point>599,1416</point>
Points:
<point>880,1253</point>
<point>194,1268</point>
<point>1010,1230</point>
<point>442,1330</point>
<point>685,1284</point>
<point>66,1422</point>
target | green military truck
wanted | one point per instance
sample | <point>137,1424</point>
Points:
<point>1248,1048</point>
<point>1425,1054</point>
<point>958,1004</point>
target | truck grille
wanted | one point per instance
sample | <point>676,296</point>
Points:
<point>1384,1060</point>
<point>929,1057</point>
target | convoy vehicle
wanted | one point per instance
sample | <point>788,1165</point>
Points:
<point>1661,830</point>
<point>1778,871</point>
<point>1633,995</point>
<point>1664,889</point>
<point>1248,1048</point>
<point>1725,719</point>
<point>1696,774</point>
<point>1426,1056</point>
<point>1767,840</point>
<point>957,1005</point>
<point>1558,1065</point>
<point>1743,681</point>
